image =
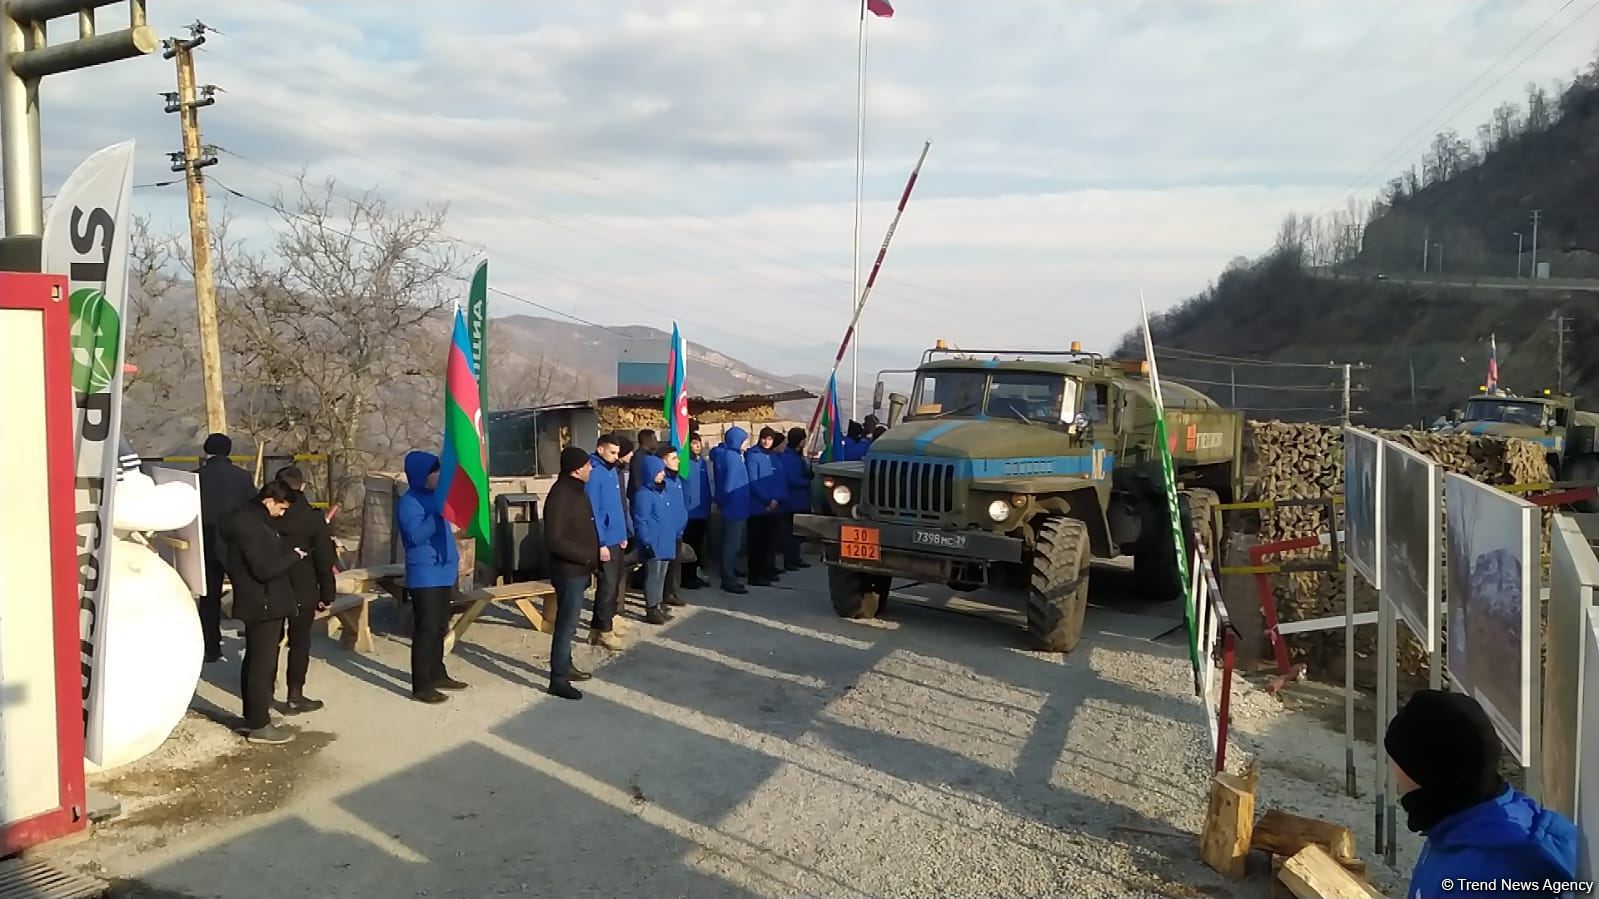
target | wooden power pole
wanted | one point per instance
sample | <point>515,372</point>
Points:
<point>186,102</point>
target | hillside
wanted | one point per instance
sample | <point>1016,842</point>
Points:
<point>1271,326</point>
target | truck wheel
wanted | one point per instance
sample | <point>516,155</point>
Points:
<point>1583,468</point>
<point>1155,574</point>
<point>1057,594</point>
<point>1202,505</point>
<point>857,595</point>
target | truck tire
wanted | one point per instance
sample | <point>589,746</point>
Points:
<point>1202,505</point>
<point>1155,574</point>
<point>855,594</point>
<point>1057,593</point>
<point>1583,468</point>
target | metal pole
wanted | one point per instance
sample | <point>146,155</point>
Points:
<point>1349,672</point>
<point>1346,395</point>
<point>1518,254</point>
<point>1233,378</point>
<point>860,184</point>
<point>1426,247</point>
<point>19,135</point>
<point>200,236</point>
<point>1536,215</point>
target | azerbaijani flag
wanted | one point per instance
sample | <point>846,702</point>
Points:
<point>675,405</point>
<point>1169,487</point>
<point>879,8</point>
<point>463,472</point>
<point>831,428</point>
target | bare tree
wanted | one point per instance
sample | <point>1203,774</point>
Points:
<point>336,336</point>
<point>1539,116</point>
<point>161,339</point>
<point>526,383</point>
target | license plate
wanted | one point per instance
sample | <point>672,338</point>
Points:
<point>939,539</point>
<point>855,542</point>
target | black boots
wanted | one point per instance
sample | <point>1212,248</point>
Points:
<point>298,704</point>
<point>563,689</point>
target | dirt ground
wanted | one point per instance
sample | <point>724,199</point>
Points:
<point>755,746</point>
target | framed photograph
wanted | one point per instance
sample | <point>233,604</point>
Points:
<point>1492,588</point>
<point>1362,497</point>
<point>1412,518</point>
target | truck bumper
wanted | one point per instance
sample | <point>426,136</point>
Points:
<point>905,550</point>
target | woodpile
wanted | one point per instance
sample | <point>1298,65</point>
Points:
<point>632,419</point>
<point>1306,461</point>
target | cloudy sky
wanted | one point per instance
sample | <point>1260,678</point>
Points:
<point>632,161</point>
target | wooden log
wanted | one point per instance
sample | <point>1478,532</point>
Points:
<point>1224,840</point>
<point>1284,834</point>
<point>1313,874</point>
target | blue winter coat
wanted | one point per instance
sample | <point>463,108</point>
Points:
<point>766,482</point>
<point>1508,838</point>
<point>659,515</point>
<point>605,499</point>
<point>431,559</point>
<point>732,494</point>
<point>797,478</point>
<point>855,450</point>
<point>697,491</point>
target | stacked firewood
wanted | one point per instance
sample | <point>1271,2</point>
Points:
<point>1305,461</point>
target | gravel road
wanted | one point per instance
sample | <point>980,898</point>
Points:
<point>755,746</point>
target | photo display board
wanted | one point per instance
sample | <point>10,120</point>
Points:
<point>1492,590</point>
<point>1363,460</point>
<point>1412,510</point>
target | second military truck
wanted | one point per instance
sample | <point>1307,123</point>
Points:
<point>1011,470</point>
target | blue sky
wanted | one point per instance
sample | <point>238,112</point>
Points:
<point>633,160</point>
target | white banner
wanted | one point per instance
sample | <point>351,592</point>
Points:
<point>86,239</point>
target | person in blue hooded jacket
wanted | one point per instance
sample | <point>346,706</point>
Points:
<point>431,570</point>
<point>732,500</point>
<point>659,517</point>
<point>604,490</point>
<point>767,494</point>
<point>797,498</point>
<point>697,499</point>
<point>1483,835</point>
<point>855,443</point>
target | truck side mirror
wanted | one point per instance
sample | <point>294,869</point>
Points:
<point>877,396</point>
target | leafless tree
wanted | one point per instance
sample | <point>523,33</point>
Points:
<point>525,383</point>
<point>160,339</point>
<point>336,335</point>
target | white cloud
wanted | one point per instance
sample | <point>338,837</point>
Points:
<point>638,159</point>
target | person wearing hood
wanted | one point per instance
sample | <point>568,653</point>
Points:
<point>659,517</point>
<point>1481,832</point>
<point>767,493</point>
<point>224,489</point>
<point>258,564</point>
<point>797,478</point>
<point>611,529</point>
<point>571,536</point>
<point>732,499</point>
<point>306,530</point>
<point>855,443</point>
<point>432,567</point>
<point>697,502</point>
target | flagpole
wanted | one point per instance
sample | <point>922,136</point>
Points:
<point>860,178</point>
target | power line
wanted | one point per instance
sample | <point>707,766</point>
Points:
<point>1216,358</point>
<point>1313,388</point>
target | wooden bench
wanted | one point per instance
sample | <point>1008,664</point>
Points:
<point>350,619</point>
<point>359,586</point>
<point>469,605</point>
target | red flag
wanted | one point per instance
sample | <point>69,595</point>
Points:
<point>880,8</point>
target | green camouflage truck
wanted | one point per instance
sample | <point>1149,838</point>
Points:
<point>1551,420</point>
<point>1012,470</point>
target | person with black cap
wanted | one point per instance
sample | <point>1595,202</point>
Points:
<point>574,547</point>
<point>306,529</point>
<point>1444,754</point>
<point>224,489</point>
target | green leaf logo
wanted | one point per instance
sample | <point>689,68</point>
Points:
<point>96,337</point>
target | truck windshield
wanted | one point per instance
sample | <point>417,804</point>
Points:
<point>1026,396</point>
<point>1507,411</point>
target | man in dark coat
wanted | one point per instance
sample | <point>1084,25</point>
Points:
<point>258,564</point>
<point>306,530</point>
<point>574,547</point>
<point>224,489</point>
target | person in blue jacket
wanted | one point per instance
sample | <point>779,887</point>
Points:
<point>767,495</point>
<point>1483,835</point>
<point>604,490</point>
<point>431,570</point>
<point>855,443</point>
<point>659,517</point>
<point>797,479</point>
<point>732,500</point>
<point>697,499</point>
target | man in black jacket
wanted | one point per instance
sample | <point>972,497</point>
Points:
<point>574,548</point>
<point>224,489</point>
<point>258,564</point>
<point>304,528</point>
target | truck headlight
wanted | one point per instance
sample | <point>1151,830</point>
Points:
<point>842,495</point>
<point>999,510</point>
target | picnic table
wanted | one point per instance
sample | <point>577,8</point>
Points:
<point>358,587</point>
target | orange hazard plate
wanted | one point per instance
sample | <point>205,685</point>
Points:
<point>855,542</point>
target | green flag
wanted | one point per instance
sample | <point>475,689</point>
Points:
<point>1169,486</point>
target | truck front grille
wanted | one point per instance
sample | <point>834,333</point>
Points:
<point>910,489</point>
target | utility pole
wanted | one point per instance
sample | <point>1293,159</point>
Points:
<point>1537,214</point>
<point>1518,253</point>
<point>1233,377</point>
<point>1346,394</point>
<point>26,58</point>
<point>1426,245</point>
<point>1559,318</point>
<point>192,161</point>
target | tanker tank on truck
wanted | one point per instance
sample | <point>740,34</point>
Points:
<point>1011,470</point>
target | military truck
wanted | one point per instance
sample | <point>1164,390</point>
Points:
<point>1551,420</point>
<point>1012,470</point>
